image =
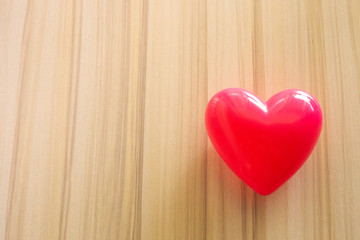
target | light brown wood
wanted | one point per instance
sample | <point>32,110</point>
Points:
<point>102,117</point>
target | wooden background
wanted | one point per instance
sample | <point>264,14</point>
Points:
<point>102,117</point>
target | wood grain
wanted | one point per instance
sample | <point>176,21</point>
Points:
<point>102,117</point>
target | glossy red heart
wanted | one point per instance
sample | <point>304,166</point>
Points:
<point>264,143</point>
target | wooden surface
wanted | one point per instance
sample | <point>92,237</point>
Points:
<point>102,117</point>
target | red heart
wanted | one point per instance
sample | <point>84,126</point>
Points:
<point>264,143</point>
